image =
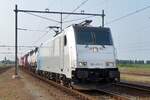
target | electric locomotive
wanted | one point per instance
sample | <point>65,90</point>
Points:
<point>79,54</point>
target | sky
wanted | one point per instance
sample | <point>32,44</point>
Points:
<point>130,34</point>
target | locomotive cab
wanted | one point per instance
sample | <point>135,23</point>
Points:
<point>95,54</point>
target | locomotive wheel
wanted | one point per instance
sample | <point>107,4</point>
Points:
<point>69,85</point>
<point>61,82</point>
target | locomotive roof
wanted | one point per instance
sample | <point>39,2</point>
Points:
<point>77,27</point>
<point>80,27</point>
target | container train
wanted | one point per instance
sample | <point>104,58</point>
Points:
<point>80,54</point>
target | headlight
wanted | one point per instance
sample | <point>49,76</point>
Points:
<point>111,64</point>
<point>95,49</point>
<point>82,64</point>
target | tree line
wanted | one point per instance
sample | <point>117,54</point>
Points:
<point>132,61</point>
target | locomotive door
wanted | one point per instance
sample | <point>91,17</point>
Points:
<point>64,55</point>
<point>61,53</point>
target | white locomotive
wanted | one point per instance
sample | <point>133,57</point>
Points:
<point>79,54</point>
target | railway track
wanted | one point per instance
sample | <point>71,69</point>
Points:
<point>105,92</point>
<point>76,94</point>
<point>122,91</point>
<point>141,87</point>
<point>115,91</point>
<point>137,74</point>
<point>126,91</point>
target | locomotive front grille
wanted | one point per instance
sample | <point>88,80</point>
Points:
<point>94,74</point>
<point>82,74</point>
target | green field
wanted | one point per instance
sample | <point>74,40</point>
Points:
<point>5,65</point>
<point>143,69</point>
<point>135,68</point>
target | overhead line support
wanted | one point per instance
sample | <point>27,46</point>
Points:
<point>61,22</point>
<point>16,40</point>
<point>54,12</point>
<point>65,13</point>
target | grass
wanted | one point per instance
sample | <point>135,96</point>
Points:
<point>135,68</point>
<point>134,78</point>
<point>5,65</point>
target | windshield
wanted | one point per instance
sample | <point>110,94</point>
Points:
<point>93,36</point>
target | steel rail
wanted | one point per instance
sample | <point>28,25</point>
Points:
<point>134,86</point>
<point>114,95</point>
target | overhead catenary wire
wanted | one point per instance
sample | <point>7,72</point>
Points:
<point>76,8</point>
<point>127,15</point>
<point>24,29</point>
<point>42,17</point>
<point>46,32</point>
<point>78,19</point>
<point>12,53</point>
<point>41,37</point>
<point>11,46</point>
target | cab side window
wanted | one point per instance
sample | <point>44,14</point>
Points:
<point>65,40</point>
